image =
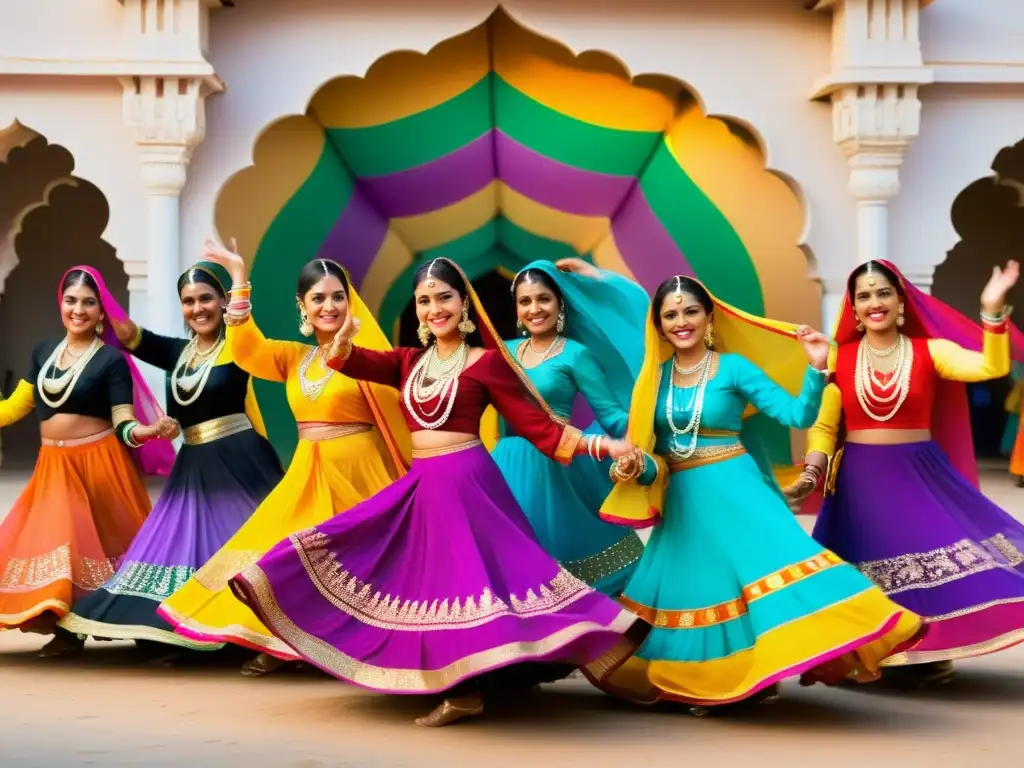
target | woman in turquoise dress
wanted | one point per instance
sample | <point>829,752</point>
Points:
<point>568,312</point>
<point>739,595</point>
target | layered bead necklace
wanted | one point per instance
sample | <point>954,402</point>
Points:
<point>543,355</point>
<point>188,384</point>
<point>313,389</point>
<point>881,397</point>
<point>696,406</point>
<point>443,377</point>
<point>50,383</point>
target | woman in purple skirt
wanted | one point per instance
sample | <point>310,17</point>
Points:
<point>437,583</point>
<point>222,473</point>
<point>893,440</point>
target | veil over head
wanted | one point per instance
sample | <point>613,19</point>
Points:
<point>157,456</point>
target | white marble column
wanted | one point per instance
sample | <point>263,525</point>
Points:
<point>163,174</point>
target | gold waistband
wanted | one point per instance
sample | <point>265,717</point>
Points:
<point>430,453</point>
<point>717,433</point>
<point>72,442</point>
<point>319,431</point>
<point>215,429</point>
<point>708,454</point>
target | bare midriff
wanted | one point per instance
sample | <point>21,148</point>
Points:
<point>432,439</point>
<point>888,436</point>
<point>71,426</point>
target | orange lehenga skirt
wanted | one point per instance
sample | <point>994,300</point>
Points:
<point>69,528</point>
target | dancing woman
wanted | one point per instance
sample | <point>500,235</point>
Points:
<point>569,321</point>
<point>85,500</point>
<point>437,583</point>
<point>902,497</point>
<point>224,470</point>
<point>352,443</point>
<point>739,596</point>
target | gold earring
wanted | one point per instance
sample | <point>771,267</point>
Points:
<point>522,328</point>
<point>709,335</point>
<point>304,326</point>
<point>900,319</point>
<point>560,323</point>
<point>860,327</point>
<point>99,328</point>
<point>466,326</point>
<point>423,332</point>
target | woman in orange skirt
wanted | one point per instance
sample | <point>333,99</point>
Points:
<point>85,500</point>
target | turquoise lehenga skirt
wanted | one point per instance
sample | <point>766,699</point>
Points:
<point>562,505</point>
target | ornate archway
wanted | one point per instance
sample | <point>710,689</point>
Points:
<point>499,147</point>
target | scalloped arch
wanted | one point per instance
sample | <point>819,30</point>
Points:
<point>499,146</point>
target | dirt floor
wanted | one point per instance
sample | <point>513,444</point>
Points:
<point>108,708</point>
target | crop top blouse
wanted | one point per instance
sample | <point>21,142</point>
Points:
<point>489,380</point>
<point>105,383</point>
<point>934,359</point>
<point>228,389</point>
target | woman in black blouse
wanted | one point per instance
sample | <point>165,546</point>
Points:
<point>85,501</point>
<point>222,473</point>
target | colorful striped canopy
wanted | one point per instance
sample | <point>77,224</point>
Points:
<point>500,147</point>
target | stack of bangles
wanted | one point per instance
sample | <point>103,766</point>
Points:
<point>239,304</point>
<point>996,322</point>
<point>594,447</point>
<point>124,433</point>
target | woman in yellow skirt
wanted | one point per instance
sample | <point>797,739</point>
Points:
<point>352,443</point>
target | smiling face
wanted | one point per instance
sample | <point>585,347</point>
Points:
<point>683,320</point>
<point>326,305</point>
<point>537,308</point>
<point>203,309</point>
<point>80,310</point>
<point>876,302</point>
<point>439,306</point>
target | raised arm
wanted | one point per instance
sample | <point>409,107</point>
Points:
<point>592,383</point>
<point>774,401</point>
<point>379,367</point>
<point>159,351</point>
<point>254,353</point>
<point>955,363</point>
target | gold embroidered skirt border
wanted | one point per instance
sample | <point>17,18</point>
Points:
<point>611,560</point>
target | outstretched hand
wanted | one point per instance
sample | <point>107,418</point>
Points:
<point>816,346</point>
<point>993,296</point>
<point>227,258</point>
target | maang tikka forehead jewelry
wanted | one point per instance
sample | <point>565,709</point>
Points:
<point>430,269</point>
<point>678,293</point>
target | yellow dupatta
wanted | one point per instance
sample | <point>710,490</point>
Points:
<point>769,344</point>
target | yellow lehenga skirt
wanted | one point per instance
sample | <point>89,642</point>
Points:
<point>324,478</point>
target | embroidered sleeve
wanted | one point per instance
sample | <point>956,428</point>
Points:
<point>18,405</point>
<point>955,363</point>
<point>376,366</point>
<point>159,351</point>
<point>821,437</point>
<point>774,401</point>
<point>592,383</point>
<point>518,407</point>
<point>264,358</point>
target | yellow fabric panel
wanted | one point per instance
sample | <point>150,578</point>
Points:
<point>18,405</point>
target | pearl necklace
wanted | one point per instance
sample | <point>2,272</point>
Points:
<point>64,383</point>
<point>874,392</point>
<point>313,389</point>
<point>443,375</point>
<point>195,382</point>
<point>696,406</point>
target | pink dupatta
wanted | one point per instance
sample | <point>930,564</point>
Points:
<point>157,456</point>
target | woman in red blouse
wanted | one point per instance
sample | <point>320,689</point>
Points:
<point>904,505</point>
<point>438,583</point>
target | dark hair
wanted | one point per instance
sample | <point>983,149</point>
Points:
<point>80,277</point>
<point>316,270</point>
<point>440,269</point>
<point>681,283</point>
<point>534,275</point>
<point>194,275</point>
<point>875,267</point>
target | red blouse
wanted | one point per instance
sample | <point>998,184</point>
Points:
<point>916,411</point>
<point>488,381</point>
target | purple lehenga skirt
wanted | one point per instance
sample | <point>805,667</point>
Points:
<point>933,543</point>
<point>434,581</point>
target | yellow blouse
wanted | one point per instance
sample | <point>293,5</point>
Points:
<point>952,362</point>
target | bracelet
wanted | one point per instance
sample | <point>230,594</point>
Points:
<point>135,340</point>
<point>336,361</point>
<point>125,430</point>
<point>998,319</point>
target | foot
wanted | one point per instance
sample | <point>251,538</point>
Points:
<point>697,711</point>
<point>64,643</point>
<point>769,695</point>
<point>452,710</point>
<point>262,665</point>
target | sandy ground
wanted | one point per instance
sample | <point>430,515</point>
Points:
<point>107,708</point>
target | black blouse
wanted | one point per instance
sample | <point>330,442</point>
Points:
<point>223,395</point>
<point>105,383</point>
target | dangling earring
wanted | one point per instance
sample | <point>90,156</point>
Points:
<point>709,335</point>
<point>304,327</point>
<point>860,327</point>
<point>522,328</point>
<point>466,326</point>
<point>900,319</point>
<point>99,328</point>
<point>560,323</point>
<point>424,334</point>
